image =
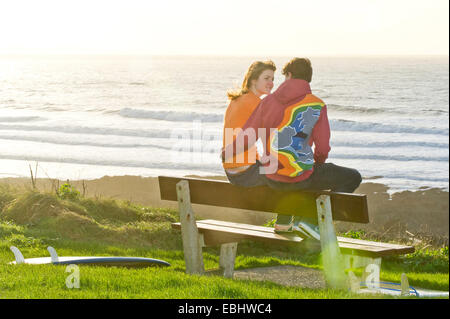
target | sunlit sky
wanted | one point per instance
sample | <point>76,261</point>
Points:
<point>232,27</point>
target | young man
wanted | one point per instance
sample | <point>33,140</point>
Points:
<point>289,122</point>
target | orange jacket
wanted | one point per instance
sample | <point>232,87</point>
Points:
<point>237,114</point>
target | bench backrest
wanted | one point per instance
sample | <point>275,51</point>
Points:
<point>344,206</point>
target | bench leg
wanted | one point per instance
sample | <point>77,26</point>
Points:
<point>227,258</point>
<point>331,256</point>
<point>192,240</point>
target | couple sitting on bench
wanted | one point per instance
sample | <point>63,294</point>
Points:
<point>269,141</point>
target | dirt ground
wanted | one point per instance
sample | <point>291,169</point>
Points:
<point>285,275</point>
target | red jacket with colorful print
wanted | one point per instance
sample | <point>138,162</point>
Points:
<point>289,122</point>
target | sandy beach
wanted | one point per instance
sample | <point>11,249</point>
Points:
<point>420,216</point>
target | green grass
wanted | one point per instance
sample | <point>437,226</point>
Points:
<point>78,226</point>
<point>47,281</point>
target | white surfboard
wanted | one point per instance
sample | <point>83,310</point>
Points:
<point>86,260</point>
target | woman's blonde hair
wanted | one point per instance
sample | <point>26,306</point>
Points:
<point>253,73</point>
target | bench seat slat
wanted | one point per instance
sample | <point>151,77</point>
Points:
<point>236,225</point>
<point>244,233</point>
<point>385,246</point>
<point>219,232</point>
<point>410,249</point>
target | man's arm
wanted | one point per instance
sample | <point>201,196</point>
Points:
<point>321,137</point>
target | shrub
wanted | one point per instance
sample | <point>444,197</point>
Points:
<point>67,191</point>
<point>354,234</point>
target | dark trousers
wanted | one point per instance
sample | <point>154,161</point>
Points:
<point>327,176</point>
<point>248,178</point>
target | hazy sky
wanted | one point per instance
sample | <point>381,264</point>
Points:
<point>231,27</point>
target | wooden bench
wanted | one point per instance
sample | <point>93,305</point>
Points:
<point>338,253</point>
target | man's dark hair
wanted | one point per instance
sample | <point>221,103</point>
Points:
<point>300,68</point>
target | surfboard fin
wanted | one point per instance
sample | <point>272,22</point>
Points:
<point>405,285</point>
<point>353,282</point>
<point>17,255</point>
<point>53,254</point>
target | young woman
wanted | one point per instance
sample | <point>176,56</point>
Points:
<point>257,81</point>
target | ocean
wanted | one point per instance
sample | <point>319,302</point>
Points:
<point>84,117</point>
